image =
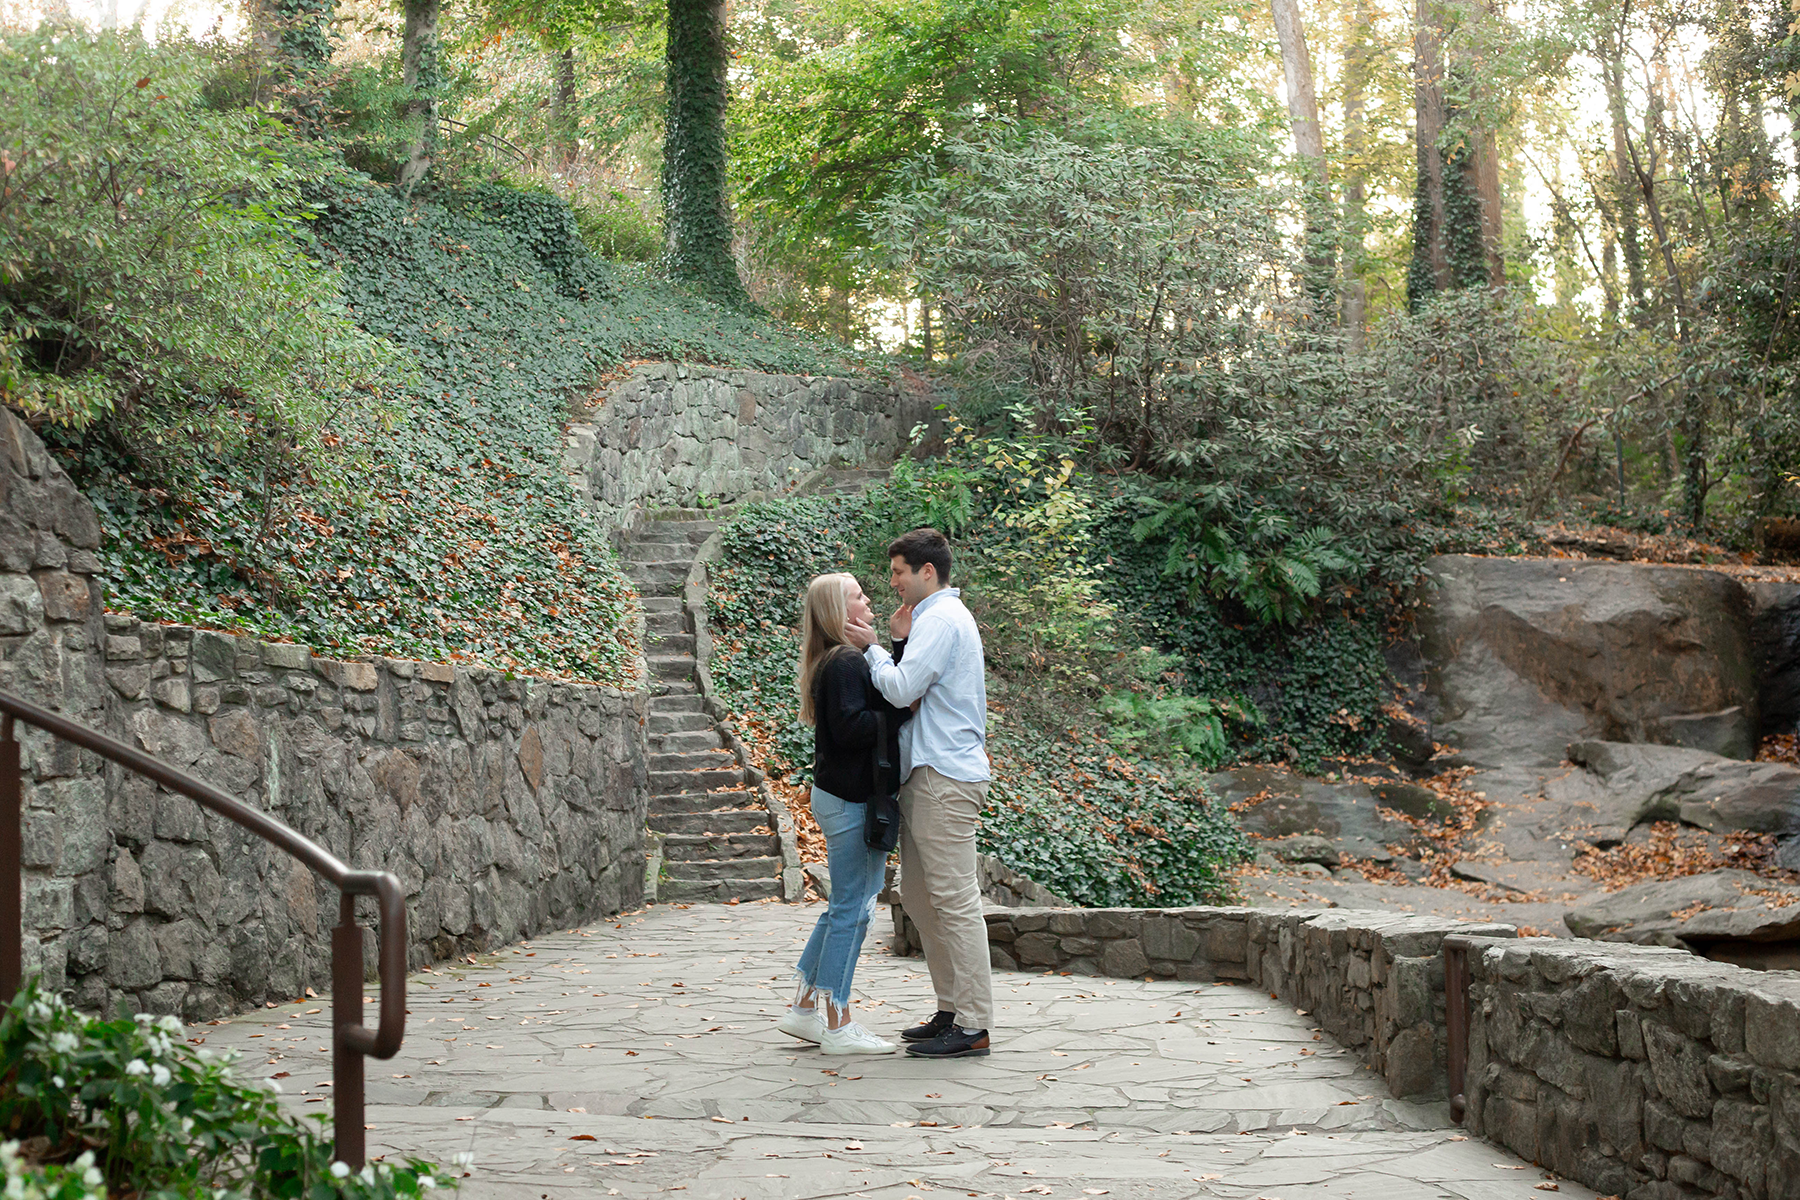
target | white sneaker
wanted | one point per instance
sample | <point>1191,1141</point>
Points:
<point>853,1039</point>
<point>803,1023</point>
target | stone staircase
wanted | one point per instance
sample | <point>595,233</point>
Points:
<point>717,839</point>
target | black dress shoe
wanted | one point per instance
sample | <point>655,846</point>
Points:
<point>930,1029</point>
<point>954,1042</point>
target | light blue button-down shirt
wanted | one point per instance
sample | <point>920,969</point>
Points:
<point>943,665</point>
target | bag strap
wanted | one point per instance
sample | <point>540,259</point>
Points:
<point>880,763</point>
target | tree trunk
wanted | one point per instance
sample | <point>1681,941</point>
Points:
<point>1356,173</point>
<point>1612,72</point>
<point>1309,145</point>
<point>696,201</point>
<point>422,73</point>
<point>562,106</point>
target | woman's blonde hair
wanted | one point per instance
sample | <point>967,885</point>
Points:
<point>822,619</point>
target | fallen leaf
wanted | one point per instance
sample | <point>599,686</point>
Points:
<point>583,1137</point>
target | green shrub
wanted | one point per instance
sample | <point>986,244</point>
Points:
<point>617,227</point>
<point>149,275</point>
<point>125,1107</point>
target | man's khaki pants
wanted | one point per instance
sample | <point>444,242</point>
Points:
<point>940,891</point>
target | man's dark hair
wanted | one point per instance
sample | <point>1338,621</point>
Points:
<point>921,546</point>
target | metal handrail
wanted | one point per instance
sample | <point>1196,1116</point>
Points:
<point>490,140</point>
<point>350,1038</point>
<point>1456,1022</point>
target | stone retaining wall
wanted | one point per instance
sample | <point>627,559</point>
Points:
<point>1637,1070</point>
<point>671,434</point>
<point>50,654</point>
<point>506,806</point>
<point>1374,981</point>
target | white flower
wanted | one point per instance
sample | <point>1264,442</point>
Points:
<point>367,1175</point>
<point>90,1174</point>
<point>465,1159</point>
<point>170,1024</point>
<point>58,1081</point>
<point>136,1067</point>
<point>160,1075</point>
<point>427,1182</point>
<point>340,1170</point>
<point>64,1042</point>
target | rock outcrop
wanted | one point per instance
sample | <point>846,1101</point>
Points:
<point>1733,916</point>
<point>1275,804</point>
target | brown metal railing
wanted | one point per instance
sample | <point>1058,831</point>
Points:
<point>1456,1022</point>
<point>350,1039</point>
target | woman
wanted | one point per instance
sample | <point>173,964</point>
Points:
<point>838,699</point>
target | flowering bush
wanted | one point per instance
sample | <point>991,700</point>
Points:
<point>97,1108</point>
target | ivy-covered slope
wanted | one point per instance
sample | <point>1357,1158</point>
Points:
<point>459,537</point>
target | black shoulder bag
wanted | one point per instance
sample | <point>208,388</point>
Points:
<point>881,815</point>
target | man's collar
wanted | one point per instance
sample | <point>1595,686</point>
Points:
<point>927,601</point>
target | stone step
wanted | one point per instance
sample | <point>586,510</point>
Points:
<point>672,667</point>
<point>690,761</point>
<point>716,891</point>
<point>659,643</point>
<point>713,847</point>
<point>662,724</point>
<point>763,867</point>
<point>676,698</point>
<point>704,522</point>
<point>671,783</point>
<point>671,620</point>
<point>731,800</point>
<point>656,585</point>
<point>687,741</point>
<point>730,821</point>
<point>661,604</point>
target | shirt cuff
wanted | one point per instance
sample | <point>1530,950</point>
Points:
<point>876,649</point>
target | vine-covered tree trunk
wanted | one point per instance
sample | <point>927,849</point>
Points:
<point>1456,201</point>
<point>423,74</point>
<point>696,203</point>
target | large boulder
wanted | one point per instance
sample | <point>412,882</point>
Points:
<point>1734,916</point>
<point>1775,629</point>
<point>1669,783</point>
<point>1528,655</point>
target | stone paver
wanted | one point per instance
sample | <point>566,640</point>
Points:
<point>639,1057</point>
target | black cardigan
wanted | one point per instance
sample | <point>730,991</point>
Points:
<point>845,701</point>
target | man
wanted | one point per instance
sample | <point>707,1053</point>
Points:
<point>944,766</point>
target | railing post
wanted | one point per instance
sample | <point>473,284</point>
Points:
<point>1456,1024</point>
<point>12,881</point>
<point>346,1014</point>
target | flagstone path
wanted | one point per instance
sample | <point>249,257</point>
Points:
<point>638,1058</point>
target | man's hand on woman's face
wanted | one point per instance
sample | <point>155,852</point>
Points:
<point>860,635</point>
<point>900,624</point>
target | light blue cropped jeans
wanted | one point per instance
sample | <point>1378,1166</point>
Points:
<point>828,964</point>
